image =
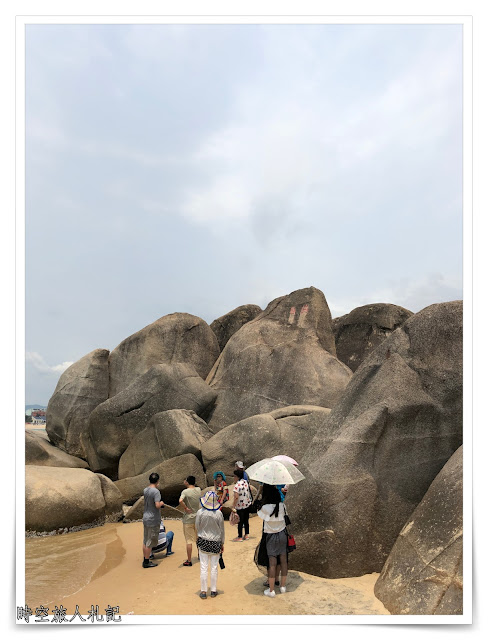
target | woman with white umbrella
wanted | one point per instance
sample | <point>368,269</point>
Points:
<point>273,546</point>
<point>283,488</point>
<point>275,537</point>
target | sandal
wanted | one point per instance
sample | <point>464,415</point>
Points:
<point>187,563</point>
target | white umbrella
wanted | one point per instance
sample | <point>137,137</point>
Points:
<point>274,472</point>
<point>285,459</point>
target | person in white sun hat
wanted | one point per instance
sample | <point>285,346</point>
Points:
<point>209,524</point>
<point>240,465</point>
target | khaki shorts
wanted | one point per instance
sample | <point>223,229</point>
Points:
<point>151,535</point>
<point>190,533</point>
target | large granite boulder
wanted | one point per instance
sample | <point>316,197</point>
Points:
<point>399,421</point>
<point>287,431</point>
<point>136,512</point>
<point>178,337</point>
<point>285,356</point>
<point>80,389</point>
<point>112,497</point>
<point>115,422</point>
<point>363,329</point>
<point>172,474</point>
<point>423,574</point>
<point>225,326</point>
<point>60,499</point>
<point>39,451</point>
<point>167,435</point>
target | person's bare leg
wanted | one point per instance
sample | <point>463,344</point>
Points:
<point>284,569</point>
<point>188,552</point>
<point>146,551</point>
<point>271,572</point>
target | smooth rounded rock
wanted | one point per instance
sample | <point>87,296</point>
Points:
<point>167,435</point>
<point>398,422</point>
<point>39,451</point>
<point>61,498</point>
<point>364,328</point>
<point>285,356</point>
<point>115,422</point>
<point>80,389</point>
<point>178,337</point>
<point>287,431</point>
<point>423,575</point>
<point>228,324</point>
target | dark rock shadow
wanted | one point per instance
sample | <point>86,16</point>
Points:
<point>256,587</point>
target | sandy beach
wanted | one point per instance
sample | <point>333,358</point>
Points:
<point>103,566</point>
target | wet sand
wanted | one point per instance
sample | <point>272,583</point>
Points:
<point>103,566</point>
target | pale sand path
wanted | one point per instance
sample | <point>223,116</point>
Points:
<point>104,566</point>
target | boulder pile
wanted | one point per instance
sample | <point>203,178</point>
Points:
<point>369,404</point>
<point>285,356</point>
<point>396,425</point>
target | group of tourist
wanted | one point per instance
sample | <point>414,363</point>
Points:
<point>203,525</point>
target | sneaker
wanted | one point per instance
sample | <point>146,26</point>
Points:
<point>149,565</point>
<point>187,563</point>
<point>213,594</point>
<point>151,557</point>
<point>203,595</point>
<point>270,594</point>
<point>283,589</point>
<point>169,553</point>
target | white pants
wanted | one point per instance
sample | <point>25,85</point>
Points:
<point>205,559</point>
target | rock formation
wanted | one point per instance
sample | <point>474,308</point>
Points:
<point>112,497</point>
<point>285,356</point>
<point>172,474</point>
<point>363,329</point>
<point>167,435</point>
<point>225,326</point>
<point>63,499</point>
<point>39,451</point>
<point>283,431</point>
<point>178,337</point>
<point>369,444</point>
<point>80,389</point>
<point>115,422</point>
<point>398,422</point>
<point>423,574</point>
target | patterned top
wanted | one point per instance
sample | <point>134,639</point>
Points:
<point>222,491</point>
<point>244,494</point>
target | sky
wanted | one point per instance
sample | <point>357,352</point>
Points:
<point>196,168</point>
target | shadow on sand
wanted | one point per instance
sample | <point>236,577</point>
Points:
<point>256,587</point>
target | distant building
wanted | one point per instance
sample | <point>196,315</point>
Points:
<point>38,416</point>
